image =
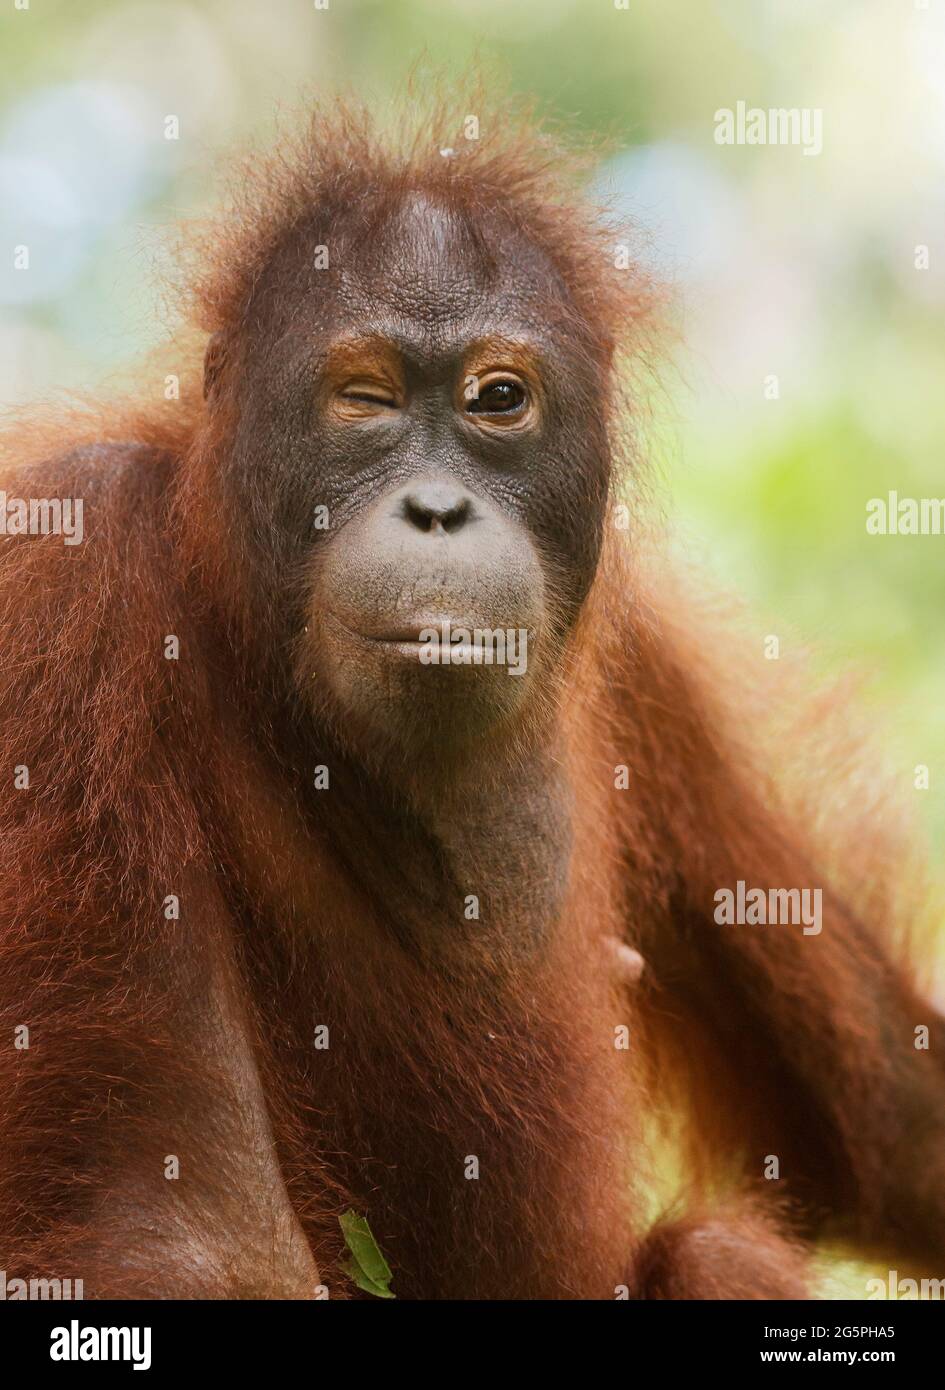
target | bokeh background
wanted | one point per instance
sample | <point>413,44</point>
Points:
<point>784,265</point>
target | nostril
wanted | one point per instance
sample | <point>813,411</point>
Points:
<point>434,509</point>
<point>455,519</point>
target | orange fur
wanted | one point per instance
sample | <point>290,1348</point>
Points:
<point>150,777</point>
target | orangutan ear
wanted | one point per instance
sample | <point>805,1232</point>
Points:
<point>214,361</point>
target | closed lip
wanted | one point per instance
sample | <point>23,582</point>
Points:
<point>408,633</point>
<point>402,633</point>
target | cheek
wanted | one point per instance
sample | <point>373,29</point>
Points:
<point>567,517</point>
<point>288,473</point>
<point>566,487</point>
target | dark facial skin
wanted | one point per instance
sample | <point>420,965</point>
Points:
<point>430,390</point>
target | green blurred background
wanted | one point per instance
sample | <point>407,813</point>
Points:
<point>784,265</point>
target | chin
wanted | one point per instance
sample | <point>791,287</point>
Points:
<point>423,697</point>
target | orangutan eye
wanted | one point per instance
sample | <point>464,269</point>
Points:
<point>503,396</point>
<point>369,393</point>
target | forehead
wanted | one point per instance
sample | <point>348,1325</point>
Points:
<point>419,267</point>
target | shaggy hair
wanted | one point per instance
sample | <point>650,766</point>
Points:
<point>150,778</point>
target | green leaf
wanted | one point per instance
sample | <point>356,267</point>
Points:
<point>368,1268</point>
